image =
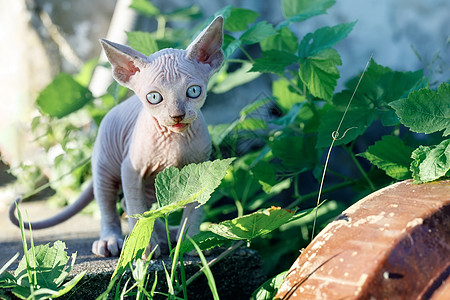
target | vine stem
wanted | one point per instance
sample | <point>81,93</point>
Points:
<point>335,137</point>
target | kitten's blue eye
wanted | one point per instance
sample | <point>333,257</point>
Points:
<point>154,97</point>
<point>194,91</point>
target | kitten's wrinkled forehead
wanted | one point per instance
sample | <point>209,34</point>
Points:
<point>171,65</point>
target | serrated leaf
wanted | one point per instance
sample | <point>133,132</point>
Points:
<point>292,8</point>
<point>379,86</point>
<point>142,42</point>
<point>392,156</point>
<point>145,8</point>
<point>320,74</point>
<point>257,33</point>
<point>269,289</point>
<point>239,19</point>
<point>63,96</point>
<point>205,240</point>
<point>323,38</point>
<point>425,111</point>
<point>355,123</point>
<point>431,163</point>
<point>250,226</point>
<point>284,40</point>
<point>274,61</point>
<point>174,185</point>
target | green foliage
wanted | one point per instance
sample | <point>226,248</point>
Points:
<point>269,289</point>
<point>431,163</point>
<point>42,272</point>
<point>426,111</point>
<point>63,96</point>
<point>391,155</point>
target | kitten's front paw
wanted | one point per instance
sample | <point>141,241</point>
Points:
<point>110,246</point>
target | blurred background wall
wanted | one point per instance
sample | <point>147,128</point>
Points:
<point>43,37</point>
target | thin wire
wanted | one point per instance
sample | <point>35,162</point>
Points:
<point>335,136</point>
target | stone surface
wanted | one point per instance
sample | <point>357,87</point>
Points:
<point>393,244</point>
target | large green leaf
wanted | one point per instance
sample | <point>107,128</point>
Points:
<point>274,61</point>
<point>324,38</point>
<point>250,226</point>
<point>355,123</point>
<point>236,78</point>
<point>257,33</point>
<point>63,96</point>
<point>296,152</point>
<point>320,74</point>
<point>239,19</point>
<point>426,111</point>
<point>431,163</point>
<point>142,42</point>
<point>174,185</point>
<point>391,155</point>
<point>284,40</point>
<point>205,240</point>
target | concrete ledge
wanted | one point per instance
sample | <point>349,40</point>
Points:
<point>236,276</point>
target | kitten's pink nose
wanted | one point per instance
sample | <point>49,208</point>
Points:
<point>178,118</point>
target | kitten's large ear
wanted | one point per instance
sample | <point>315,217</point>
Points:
<point>207,47</point>
<point>124,60</point>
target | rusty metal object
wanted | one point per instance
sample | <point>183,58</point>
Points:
<point>393,244</point>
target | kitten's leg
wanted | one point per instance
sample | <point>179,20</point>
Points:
<point>134,191</point>
<point>110,242</point>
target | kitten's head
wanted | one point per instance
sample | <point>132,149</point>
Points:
<point>171,83</point>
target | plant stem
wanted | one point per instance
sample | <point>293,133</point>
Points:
<point>246,54</point>
<point>360,168</point>
<point>314,194</point>
<point>166,220</point>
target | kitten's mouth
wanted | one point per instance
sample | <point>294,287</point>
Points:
<point>179,127</point>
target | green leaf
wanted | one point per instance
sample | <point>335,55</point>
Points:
<point>292,8</point>
<point>257,33</point>
<point>63,96</point>
<point>135,244</point>
<point>285,97</point>
<point>431,163</point>
<point>425,111</point>
<point>265,173</point>
<point>205,240</point>
<point>320,74</point>
<point>174,185</point>
<point>188,13</point>
<point>269,289</point>
<point>296,152</point>
<point>252,107</point>
<point>145,7</point>
<point>230,44</point>
<point>142,42</point>
<point>239,19</point>
<point>355,124</point>
<point>379,86</point>
<point>324,38</point>
<point>284,40</point>
<point>391,155</point>
<point>231,80</point>
<point>274,61</point>
<point>250,226</point>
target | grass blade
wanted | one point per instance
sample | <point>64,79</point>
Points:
<point>207,272</point>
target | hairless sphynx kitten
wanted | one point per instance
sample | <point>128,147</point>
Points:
<point>158,127</point>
